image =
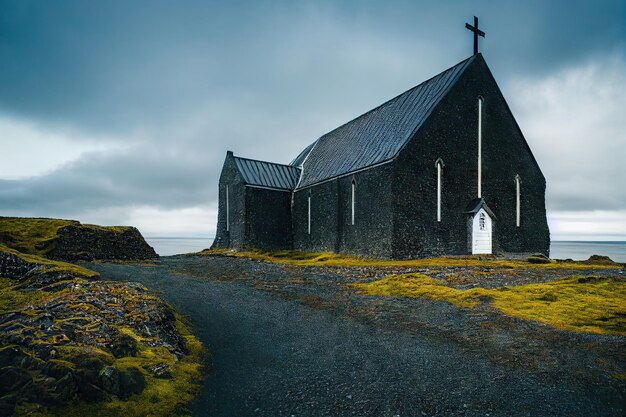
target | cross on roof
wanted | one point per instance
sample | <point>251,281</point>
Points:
<point>477,33</point>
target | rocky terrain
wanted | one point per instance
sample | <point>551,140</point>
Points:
<point>69,240</point>
<point>292,336</point>
<point>72,344</point>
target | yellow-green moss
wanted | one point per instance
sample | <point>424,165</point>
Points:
<point>11,300</point>
<point>162,396</point>
<point>588,304</point>
<point>49,264</point>
<point>116,229</point>
<point>30,235</point>
<point>298,258</point>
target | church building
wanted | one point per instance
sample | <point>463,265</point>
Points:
<point>441,169</point>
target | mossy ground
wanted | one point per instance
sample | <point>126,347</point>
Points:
<point>31,239</point>
<point>162,397</point>
<point>593,304</point>
<point>30,235</point>
<point>11,300</point>
<point>49,265</point>
<point>298,258</point>
<point>589,304</point>
<point>36,236</point>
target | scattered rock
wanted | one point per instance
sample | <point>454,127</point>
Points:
<point>599,259</point>
<point>160,370</point>
<point>538,259</point>
<point>110,380</point>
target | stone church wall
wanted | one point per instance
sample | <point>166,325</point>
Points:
<point>323,236</point>
<point>268,214</point>
<point>235,237</point>
<point>451,134</point>
<point>370,235</point>
<point>331,228</point>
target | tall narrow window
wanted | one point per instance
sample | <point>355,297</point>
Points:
<point>227,210</point>
<point>352,201</point>
<point>309,215</point>
<point>480,145</point>
<point>518,205</point>
<point>481,221</point>
<point>439,165</point>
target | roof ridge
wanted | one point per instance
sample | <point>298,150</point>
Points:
<point>397,96</point>
<point>266,162</point>
<point>400,118</point>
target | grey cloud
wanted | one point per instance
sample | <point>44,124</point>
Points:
<point>142,177</point>
<point>182,82</point>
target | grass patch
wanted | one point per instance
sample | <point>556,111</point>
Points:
<point>593,304</point>
<point>298,258</point>
<point>31,235</point>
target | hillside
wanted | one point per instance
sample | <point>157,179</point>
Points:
<point>69,240</point>
<point>72,344</point>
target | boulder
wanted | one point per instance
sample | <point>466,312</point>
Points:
<point>12,379</point>
<point>132,382</point>
<point>538,259</point>
<point>109,380</point>
<point>123,345</point>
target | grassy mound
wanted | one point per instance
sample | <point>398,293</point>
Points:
<point>31,235</point>
<point>37,236</point>
<point>593,304</point>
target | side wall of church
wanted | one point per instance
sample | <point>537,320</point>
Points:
<point>331,215</point>
<point>370,235</point>
<point>268,214</point>
<point>235,237</point>
<point>323,235</point>
<point>451,134</point>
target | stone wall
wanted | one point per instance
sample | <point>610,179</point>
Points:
<point>268,214</point>
<point>331,215</point>
<point>451,134</point>
<point>235,236</point>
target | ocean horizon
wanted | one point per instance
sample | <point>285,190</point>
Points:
<point>559,249</point>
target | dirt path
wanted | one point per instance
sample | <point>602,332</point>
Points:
<point>275,354</point>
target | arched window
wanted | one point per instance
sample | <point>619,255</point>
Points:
<point>227,210</point>
<point>439,165</point>
<point>518,202</point>
<point>480,145</point>
<point>352,201</point>
<point>309,214</point>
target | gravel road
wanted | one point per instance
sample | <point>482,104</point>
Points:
<point>295,342</point>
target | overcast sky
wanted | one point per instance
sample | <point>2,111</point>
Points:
<point>120,112</point>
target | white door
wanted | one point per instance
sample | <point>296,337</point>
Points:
<point>481,233</point>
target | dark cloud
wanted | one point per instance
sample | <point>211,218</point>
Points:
<point>178,83</point>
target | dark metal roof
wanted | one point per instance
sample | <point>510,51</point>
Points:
<point>301,158</point>
<point>267,174</point>
<point>377,135</point>
<point>476,204</point>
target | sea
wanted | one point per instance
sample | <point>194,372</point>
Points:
<point>577,250</point>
